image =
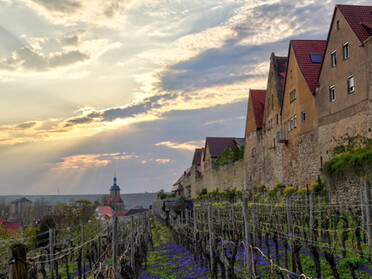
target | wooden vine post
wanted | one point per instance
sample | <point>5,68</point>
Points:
<point>83,250</point>
<point>17,262</point>
<point>210,239</point>
<point>290,232</point>
<point>115,245</point>
<point>248,242</point>
<point>99,238</point>
<point>368,214</point>
<point>195,227</point>
<point>51,246</point>
<point>132,242</point>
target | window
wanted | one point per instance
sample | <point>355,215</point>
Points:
<point>292,96</point>
<point>334,59</point>
<point>350,84</point>
<point>291,123</point>
<point>253,152</point>
<point>303,116</point>
<point>285,129</point>
<point>332,94</point>
<point>345,50</point>
<point>295,121</point>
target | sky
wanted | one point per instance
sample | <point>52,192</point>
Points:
<point>93,88</point>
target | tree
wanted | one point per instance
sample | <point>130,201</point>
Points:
<point>4,209</point>
<point>41,208</point>
<point>230,155</point>
<point>75,213</point>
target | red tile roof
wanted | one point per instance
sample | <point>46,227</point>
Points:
<point>106,211</point>
<point>12,226</point>
<point>117,199</point>
<point>258,102</point>
<point>218,144</point>
<point>302,50</point>
<point>360,20</point>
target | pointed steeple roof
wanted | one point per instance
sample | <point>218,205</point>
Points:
<point>115,186</point>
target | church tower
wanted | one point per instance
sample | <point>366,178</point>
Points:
<point>117,203</point>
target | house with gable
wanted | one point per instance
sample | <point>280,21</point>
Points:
<point>182,187</point>
<point>345,85</point>
<point>221,177</point>
<point>197,171</point>
<point>299,135</point>
<point>344,98</point>
<point>272,163</point>
<point>253,152</point>
<point>21,210</point>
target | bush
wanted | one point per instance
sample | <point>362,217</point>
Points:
<point>203,192</point>
<point>230,155</point>
<point>232,194</point>
<point>354,159</point>
<point>289,190</point>
<point>318,187</point>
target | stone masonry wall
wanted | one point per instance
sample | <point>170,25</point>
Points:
<point>301,163</point>
<point>221,178</point>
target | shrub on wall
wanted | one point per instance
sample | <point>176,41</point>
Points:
<point>354,159</point>
<point>230,155</point>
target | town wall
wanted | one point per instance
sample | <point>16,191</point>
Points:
<point>223,177</point>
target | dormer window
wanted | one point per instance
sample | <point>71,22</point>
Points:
<point>345,50</point>
<point>316,58</point>
<point>333,59</point>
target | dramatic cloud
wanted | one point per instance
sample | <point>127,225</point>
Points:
<point>27,59</point>
<point>26,125</point>
<point>63,6</point>
<point>71,40</point>
<point>85,161</point>
<point>190,146</point>
<point>90,87</point>
<point>72,12</point>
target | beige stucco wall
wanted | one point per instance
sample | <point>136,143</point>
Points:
<point>345,104</point>
<point>300,154</point>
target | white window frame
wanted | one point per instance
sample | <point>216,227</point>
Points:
<point>295,121</point>
<point>350,84</point>
<point>333,59</point>
<point>345,50</point>
<point>332,93</point>
<point>292,126</point>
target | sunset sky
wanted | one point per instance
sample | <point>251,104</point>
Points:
<point>93,87</point>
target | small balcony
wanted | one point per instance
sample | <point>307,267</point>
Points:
<point>282,137</point>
